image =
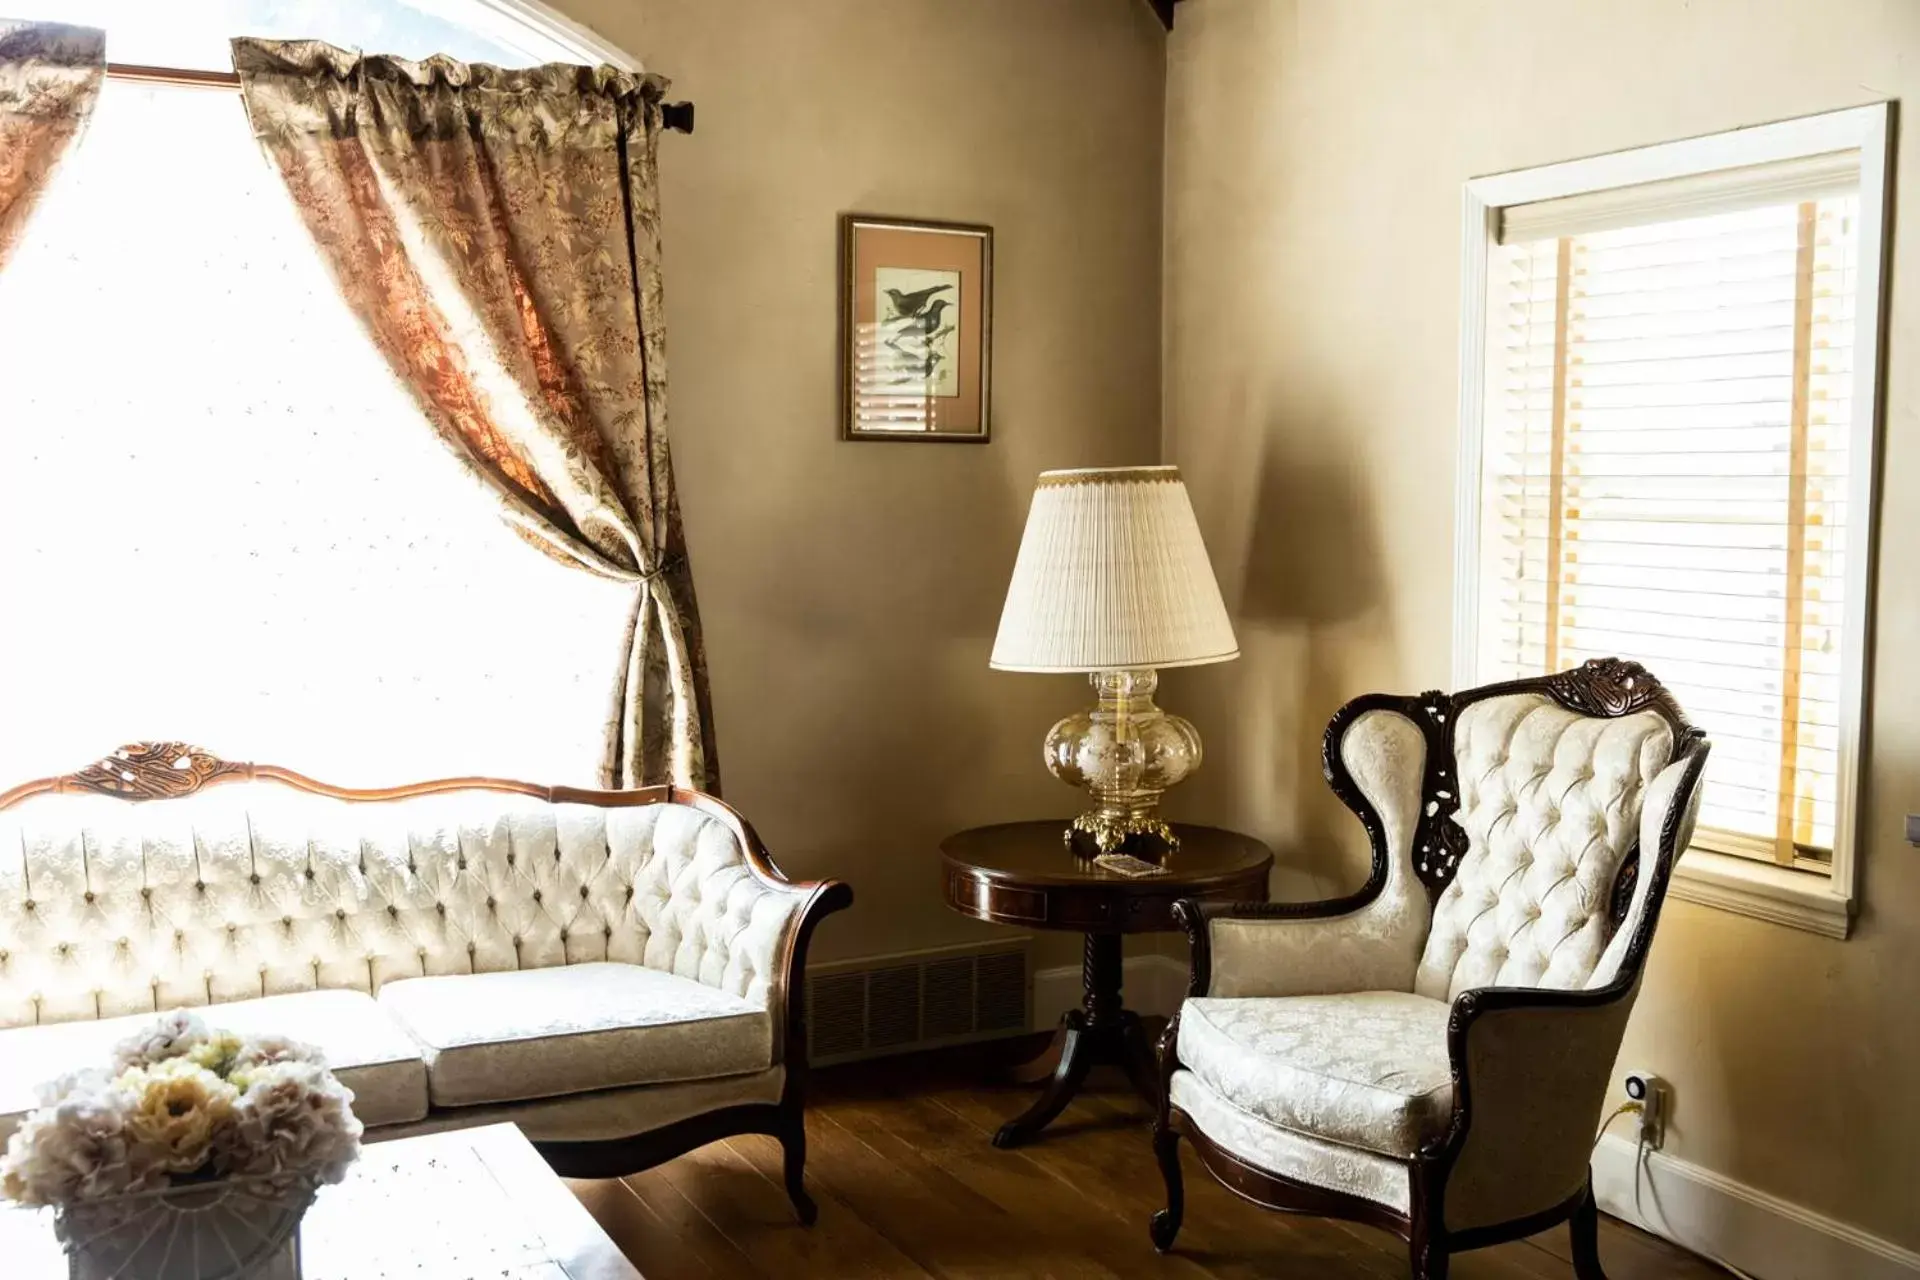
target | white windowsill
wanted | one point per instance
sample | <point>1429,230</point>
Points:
<point>1797,899</point>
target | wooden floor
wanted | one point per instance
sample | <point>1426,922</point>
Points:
<point>909,1186</point>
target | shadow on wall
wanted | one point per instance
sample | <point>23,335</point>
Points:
<point>1312,558</point>
<point>1313,632</point>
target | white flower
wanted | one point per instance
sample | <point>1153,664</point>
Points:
<point>91,1080</point>
<point>80,1148</point>
<point>218,1053</point>
<point>292,1118</point>
<point>262,1050</point>
<point>174,1036</point>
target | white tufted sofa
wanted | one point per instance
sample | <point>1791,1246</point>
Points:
<point>1432,1053</point>
<point>617,972</point>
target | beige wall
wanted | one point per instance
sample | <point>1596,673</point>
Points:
<point>850,590</point>
<point>1315,153</point>
<point>1313,163</point>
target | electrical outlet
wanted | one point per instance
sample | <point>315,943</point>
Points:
<point>1651,1092</point>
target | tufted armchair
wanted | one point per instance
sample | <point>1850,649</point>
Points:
<point>1431,1054</point>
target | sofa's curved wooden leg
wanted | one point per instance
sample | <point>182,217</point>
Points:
<point>1166,1222</point>
<point>1585,1229</point>
<point>1427,1260</point>
<point>793,1140</point>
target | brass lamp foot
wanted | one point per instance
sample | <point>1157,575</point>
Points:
<point>1111,830</point>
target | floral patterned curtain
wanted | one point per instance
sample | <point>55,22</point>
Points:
<point>497,232</point>
<point>50,78</point>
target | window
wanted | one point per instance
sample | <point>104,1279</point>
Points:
<point>1670,428</point>
<point>193,34</point>
<point>221,517</point>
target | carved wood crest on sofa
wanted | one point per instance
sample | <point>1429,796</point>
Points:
<point>1431,1054</point>
<point>618,972</point>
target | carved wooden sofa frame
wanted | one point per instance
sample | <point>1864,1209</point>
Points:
<point>1602,688</point>
<point>156,771</point>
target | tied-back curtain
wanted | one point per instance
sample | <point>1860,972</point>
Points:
<point>497,232</point>
<point>50,77</point>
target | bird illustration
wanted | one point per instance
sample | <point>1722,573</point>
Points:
<point>920,351</point>
<point>923,322</point>
<point>908,305</point>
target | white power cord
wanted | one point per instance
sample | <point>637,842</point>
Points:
<point>1624,1109</point>
<point>1643,1177</point>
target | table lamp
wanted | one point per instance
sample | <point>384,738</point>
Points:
<point>1113,579</point>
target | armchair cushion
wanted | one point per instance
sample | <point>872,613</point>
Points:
<point>1313,1161</point>
<point>1368,1070</point>
<point>1550,800</point>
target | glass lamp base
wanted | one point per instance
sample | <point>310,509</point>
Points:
<point>1126,752</point>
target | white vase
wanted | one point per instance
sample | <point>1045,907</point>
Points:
<point>237,1229</point>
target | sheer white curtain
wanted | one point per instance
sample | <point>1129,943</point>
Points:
<point>222,520</point>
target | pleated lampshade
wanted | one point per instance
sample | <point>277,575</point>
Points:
<point>1112,575</point>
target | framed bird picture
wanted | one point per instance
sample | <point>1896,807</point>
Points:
<point>916,307</point>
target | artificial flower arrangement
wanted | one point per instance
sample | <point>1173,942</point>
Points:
<point>183,1109</point>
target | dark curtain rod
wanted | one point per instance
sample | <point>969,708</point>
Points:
<point>677,116</point>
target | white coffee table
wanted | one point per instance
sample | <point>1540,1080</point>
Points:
<point>449,1206</point>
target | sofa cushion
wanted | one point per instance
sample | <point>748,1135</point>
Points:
<point>369,1053</point>
<point>539,1033</point>
<point>1368,1070</point>
<point>607,1114</point>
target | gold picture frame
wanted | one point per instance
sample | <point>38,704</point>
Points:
<point>916,330</point>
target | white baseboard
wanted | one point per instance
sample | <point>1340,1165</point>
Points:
<point>1711,1214</point>
<point>1150,984</point>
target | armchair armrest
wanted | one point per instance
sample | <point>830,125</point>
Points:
<point>1530,1074</point>
<point>1363,942</point>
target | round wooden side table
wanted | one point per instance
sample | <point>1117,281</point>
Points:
<point>1022,873</point>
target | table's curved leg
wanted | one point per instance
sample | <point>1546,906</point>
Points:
<point>1041,1065</point>
<point>1076,1058</point>
<point>1137,1057</point>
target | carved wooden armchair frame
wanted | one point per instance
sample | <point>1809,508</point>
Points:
<point>159,771</point>
<point>1605,688</point>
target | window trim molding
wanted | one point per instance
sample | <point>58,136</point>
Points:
<point>547,22</point>
<point>1766,891</point>
<point>1801,899</point>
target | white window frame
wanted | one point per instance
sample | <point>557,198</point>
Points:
<point>1808,900</point>
<point>502,19</point>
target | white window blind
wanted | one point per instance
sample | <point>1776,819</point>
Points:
<point>1665,468</point>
